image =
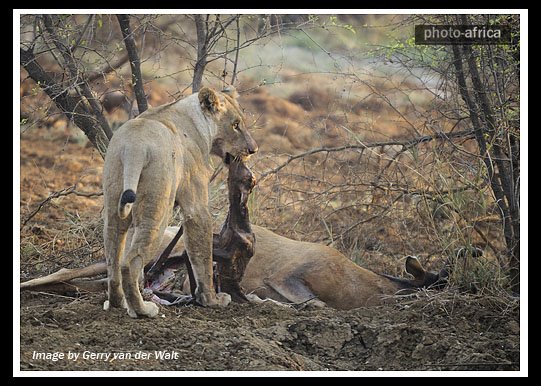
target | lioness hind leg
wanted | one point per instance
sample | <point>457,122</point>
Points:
<point>115,231</point>
<point>144,245</point>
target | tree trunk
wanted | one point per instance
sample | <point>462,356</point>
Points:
<point>68,104</point>
<point>135,62</point>
<point>200,64</point>
<point>502,182</point>
<point>498,167</point>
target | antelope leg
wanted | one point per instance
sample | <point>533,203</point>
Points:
<point>293,290</point>
<point>72,286</point>
<point>65,275</point>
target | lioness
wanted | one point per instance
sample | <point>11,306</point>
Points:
<point>154,161</point>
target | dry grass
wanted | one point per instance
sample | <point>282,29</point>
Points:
<point>451,301</point>
<point>79,243</point>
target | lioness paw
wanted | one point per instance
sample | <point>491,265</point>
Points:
<point>107,305</point>
<point>150,310</point>
<point>220,299</point>
<point>223,299</point>
<point>132,313</point>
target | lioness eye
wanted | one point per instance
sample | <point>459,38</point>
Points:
<point>236,126</point>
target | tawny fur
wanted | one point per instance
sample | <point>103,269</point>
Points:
<point>164,156</point>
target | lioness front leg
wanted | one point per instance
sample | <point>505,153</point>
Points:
<point>198,239</point>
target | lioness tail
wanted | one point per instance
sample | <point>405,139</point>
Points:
<point>126,202</point>
<point>133,163</point>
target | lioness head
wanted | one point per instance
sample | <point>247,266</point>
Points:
<point>232,139</point>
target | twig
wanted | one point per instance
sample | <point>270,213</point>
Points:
<point>55,295</point>
<point>60,193</point>
<point>356,224</point>
<point>76,44</point>
<point>217,171</point>
<point>109,67</point>
<point>234,75</point>
<point>78,80</point>
<point>489,244</point>
<point>299,305</point>
<point>406,143</point>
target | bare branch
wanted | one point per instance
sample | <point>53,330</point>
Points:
<point>78,79</point>
<point>109,67</point>
<point>135,62</point>
<point>81,35</point>
<point>64,192</point>
<point>405,143</point>
<point>68,104</point>
<point>235,63</point>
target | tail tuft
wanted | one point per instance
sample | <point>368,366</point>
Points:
<point>127,197</point>
<point>126,202</point>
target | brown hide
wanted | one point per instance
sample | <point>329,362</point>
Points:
<point>293,271</point>
<point>282,268</point>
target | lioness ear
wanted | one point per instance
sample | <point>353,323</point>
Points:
<point>414,267</point>
<point>231,91</point>
<point>209,100</point>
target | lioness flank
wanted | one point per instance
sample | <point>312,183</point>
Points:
<point>154,161</point>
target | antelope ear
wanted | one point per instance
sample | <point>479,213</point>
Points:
<point>209,100</point>
<point>231,91</point>
<point>414,267</point>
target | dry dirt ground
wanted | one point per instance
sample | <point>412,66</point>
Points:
<point>428,332</point>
